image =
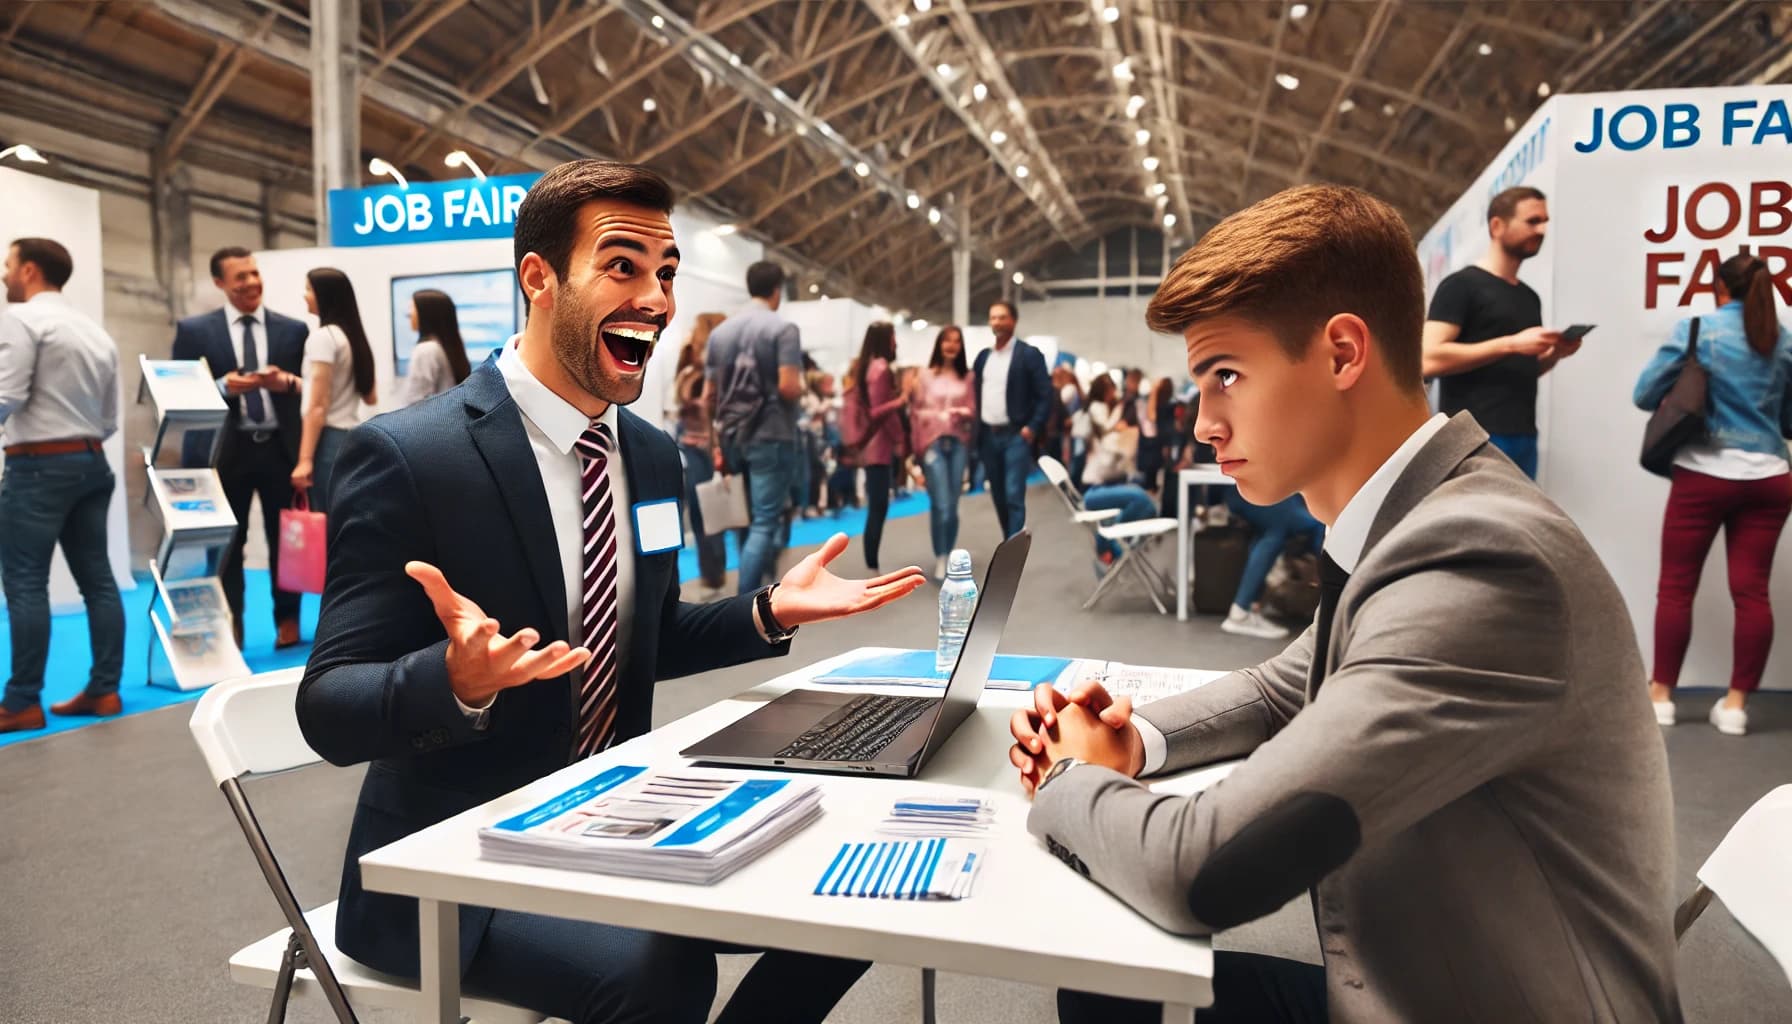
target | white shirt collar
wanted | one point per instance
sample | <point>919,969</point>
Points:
<point>552,415</point>
<point>49,297</point>
<point>234,317</point>
<point>1345,540</point>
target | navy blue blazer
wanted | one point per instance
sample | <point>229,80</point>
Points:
<point>208,335</point>
<point>1029,387</point>
<point>453,481</point>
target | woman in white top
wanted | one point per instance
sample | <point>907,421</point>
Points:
<point>338,379</point>
<point>439,361</point>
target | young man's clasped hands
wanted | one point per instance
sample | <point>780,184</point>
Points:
<point>1089,725</point>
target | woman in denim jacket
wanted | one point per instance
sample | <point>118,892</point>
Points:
<point>1737,479</point>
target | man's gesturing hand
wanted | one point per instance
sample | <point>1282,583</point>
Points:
<point>480,661</point>
<point>810,593</point>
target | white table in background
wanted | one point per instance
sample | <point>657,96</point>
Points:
<point>1090,940</point>
<point>1194,476</point>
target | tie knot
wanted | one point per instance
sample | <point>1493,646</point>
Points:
<point>596,442</point>
<point>1331,574</point>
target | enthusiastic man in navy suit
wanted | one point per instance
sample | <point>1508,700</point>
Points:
<point>503,595</point>
<point>1014,398</point>
<point>256,355</point>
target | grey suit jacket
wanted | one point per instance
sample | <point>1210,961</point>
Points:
<point>1477,796</point>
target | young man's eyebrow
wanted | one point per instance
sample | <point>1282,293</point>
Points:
<point>1204,365</point>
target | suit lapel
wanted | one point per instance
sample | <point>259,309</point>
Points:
<point>497,430</point>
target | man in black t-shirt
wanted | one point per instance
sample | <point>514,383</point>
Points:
<point>1484,334</point>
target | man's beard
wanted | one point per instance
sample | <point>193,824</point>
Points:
<point>576,341</point>
<point>1524,250</point>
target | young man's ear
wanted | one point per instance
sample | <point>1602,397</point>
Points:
<point>1347,346</point>
<point>537,279</point>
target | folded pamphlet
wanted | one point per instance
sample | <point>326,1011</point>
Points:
<point>689,825</point>
<point>937,816</point>
<point>918,869</point>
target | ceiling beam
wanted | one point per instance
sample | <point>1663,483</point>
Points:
<point>226,63</point>
<point>830,171</point>
<point>19,17</point>
<point>1710,24</point>
<point>1365,50</point>
<point>1586,68</point>
<point>1535,33</point>
<point>412,28</point>
<point>1439,57</point>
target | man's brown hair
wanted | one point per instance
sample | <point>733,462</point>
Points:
<point>1506,203</point>
<point>1295,260</point>
<point>547,222</point>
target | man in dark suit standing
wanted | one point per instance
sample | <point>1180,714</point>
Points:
<point>1014,398</point>
<point>503,595</point>
<point>257,356</point>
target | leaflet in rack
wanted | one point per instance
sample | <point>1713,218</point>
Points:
<point>689,825</point>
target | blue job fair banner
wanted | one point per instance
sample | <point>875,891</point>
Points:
<point>428,211</point>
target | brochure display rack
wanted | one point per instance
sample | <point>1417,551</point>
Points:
<point>194,624</point>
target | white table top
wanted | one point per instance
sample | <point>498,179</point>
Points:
<point>1030,918</point>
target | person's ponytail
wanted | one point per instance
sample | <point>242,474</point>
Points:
<point>1748,281</point>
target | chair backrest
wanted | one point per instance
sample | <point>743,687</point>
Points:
<point>1748,872</point>
<point>250,725</point>
<point>1059,478</point>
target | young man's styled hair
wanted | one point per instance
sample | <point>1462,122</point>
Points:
<point>229,252</point>
<point>547,222</point>
<point>1506,203</point>
<point>1297,259</point>
<point>52,260</point>
<point>764,279</point>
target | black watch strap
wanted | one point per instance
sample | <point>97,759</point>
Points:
<point>774,630</point>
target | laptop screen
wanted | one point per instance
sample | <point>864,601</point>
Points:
<point>978,656</point>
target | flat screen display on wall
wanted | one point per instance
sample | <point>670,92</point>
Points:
<point>486,302</point>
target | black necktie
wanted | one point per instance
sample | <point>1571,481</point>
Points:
<point>252,404</point>
<point>1331,584</point>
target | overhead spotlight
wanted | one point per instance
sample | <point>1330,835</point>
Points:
<point>902,21</point>
<point>541,91</point>
<point>380,166</point>
<point>824,298</point>
<point>1141,136</point>
<point>920,324</point>
<point>1169,221</point>
<point>649,105</point>
<point>933,215</point>
<point>1159,189</point>
<point>1287,81</point>
<point>1016,107</point>
<point>979,92</point>
<point>1387,110</point>
<point>658,22</point>
<point>802,130</point>
<point>1110,14</point>
<point>1346,105</point>
<point>1484,50</point>
<point>1543,88</point>
<point>1163,201</point>
<point>1018,278</point>
<point>1020,170</point>
<point>1000,263</point>
<point>1150,163</point>
<point>944,70</point>
<point>814,288</point>
<point>998,136</point>
<point>1134,104</point>
<point>862,169</point>
<point>1298,11</point>
<point>23,154</point>
<point>734,59</point>
<point>923,5</point>
<point>1123,71</point>
<point>1511,124</point>
<point>914,201</point>
<point>459,158</point>
<point>724,230</point>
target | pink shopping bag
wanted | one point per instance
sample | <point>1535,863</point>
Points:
<point>301,547</point>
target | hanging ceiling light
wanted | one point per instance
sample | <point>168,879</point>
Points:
<point>1123,71</point>
<point>862,169</point>
<point>980,92</point>
<point>1141,136</point>
<point>1346,105</point>
<point>724,230</point>
<point>1484,50</point>
<point>920,324</point>
<point>1134,104</point>
<point>902,21</point>
<point>1000,263</point>
<point>914,201</point>
<point>923,5</point>
<point>380,166</point>
<point>1287,81</point>
<point>1169,221</point>
<point>933,215</point>
<point>459,158</point>
<point>649,105</point>
<point>24,154</point>
<point>1020,170</point>
<point>1110,14</point>
<point>540,90</point>
<point>1018,278</point>
<point>1150,163</point>
<point>998,136</point>
<point>1543,88</point>
<point>1159,189</point>
<point>1298,11</point>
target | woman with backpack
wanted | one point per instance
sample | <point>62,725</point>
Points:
<point>338,380</point>
<point>1737,479</point>
<point>873,430</point>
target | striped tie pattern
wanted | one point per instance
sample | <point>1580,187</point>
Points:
<point>598,621</point>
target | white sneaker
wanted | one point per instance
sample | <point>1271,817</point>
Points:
<point>1664,712</point>
<point>1729,721</point>
<point>1246,623</point>
<point>939,569</point>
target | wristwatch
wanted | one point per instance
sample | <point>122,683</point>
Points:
<point>1059,767</point>
<point>775,632</point>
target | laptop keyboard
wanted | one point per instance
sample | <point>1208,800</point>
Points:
<point>861,730</point>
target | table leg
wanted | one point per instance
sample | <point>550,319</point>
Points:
<point>1174,1014</point>
<point>929,996</point>
<point>438,934</point>
<point>1183,515</point>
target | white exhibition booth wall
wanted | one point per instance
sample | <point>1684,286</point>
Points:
<point>32,206</point>
<point>711,278</point>
<point>1648,192</point>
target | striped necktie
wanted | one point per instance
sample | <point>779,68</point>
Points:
<point>598,620</point>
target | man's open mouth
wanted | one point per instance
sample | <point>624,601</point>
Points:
<point>629,347</point>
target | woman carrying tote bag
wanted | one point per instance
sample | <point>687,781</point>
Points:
<point>1735,477</point>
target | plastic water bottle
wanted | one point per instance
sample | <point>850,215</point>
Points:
<point>958,599</point>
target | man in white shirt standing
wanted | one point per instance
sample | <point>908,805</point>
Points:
<point>58,401</point>
<point>1014,398</point>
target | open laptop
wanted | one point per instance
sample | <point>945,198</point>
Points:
<point>831,731</point>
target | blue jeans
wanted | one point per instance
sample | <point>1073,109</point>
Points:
<point>943,466</point>
<point>1520,448</point>
<point>1132,501</point>
<point>712,551</point>
<point>597,973</point>
<point>1008,459</point>
<point>46,500</point>
<point>770,468</point>
<point>1271,526</point>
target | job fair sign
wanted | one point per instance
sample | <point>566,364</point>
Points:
<point>427,211</point>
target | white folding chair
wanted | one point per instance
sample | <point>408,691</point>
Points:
<point>1135,538</point>
<point>249,727</point>
<point>1748,872</point>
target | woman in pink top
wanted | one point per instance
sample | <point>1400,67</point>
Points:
<point>880,437</point>
<point>942,415</point>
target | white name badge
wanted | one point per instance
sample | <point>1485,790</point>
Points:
<point>658,526</point>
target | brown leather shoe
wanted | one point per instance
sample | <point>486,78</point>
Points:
<point>21,721</point>
<point>100,707</point>
<point>289,635</point>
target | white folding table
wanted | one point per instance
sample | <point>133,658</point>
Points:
<point>1194,476</point>
<point>1030,918</point>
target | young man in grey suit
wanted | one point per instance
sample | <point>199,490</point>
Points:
<point>1458,760</point>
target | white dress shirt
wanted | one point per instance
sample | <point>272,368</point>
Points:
<point>995,385</point>
<point>58,373</point>
<point>1344,542</point>
<point>233,323</point>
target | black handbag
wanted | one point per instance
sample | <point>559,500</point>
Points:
<point>1680,418</point>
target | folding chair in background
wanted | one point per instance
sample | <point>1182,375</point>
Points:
<point>1135,538</point>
